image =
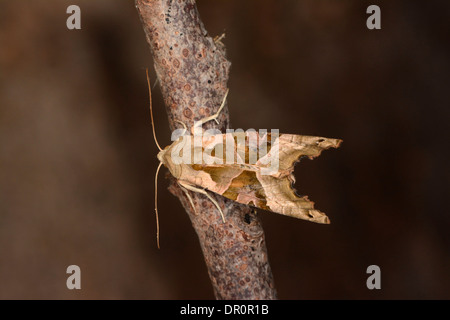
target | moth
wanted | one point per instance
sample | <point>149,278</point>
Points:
<point>252,183</point>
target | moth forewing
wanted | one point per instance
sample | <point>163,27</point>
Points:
<point>269,162</point>
<point>213,147</point>
<point>259,185</point>
<point>252,146</point>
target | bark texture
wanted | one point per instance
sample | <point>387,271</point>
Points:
<point>193,72</point>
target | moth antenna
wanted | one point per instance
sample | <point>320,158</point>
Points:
<point>156,204</point>
<point>151,109</point>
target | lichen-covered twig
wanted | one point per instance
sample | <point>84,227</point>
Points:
<point>193,74</point>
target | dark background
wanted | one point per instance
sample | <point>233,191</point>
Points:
<point>77,158</point>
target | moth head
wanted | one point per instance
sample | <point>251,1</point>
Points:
<point>161,155</point>
<point>166,160</point>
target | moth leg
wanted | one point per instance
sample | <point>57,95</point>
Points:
<point>214,117</point>
<point>218,39</point>
<point>195,189</point>
<point>189,197</point>
<point>184,126</point>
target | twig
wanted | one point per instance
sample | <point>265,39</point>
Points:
<point>193,73</point>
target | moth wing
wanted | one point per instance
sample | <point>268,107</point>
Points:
<point>274,192</point>
<point>247,184</point>
<point>281,197</point>
<point>292,147</point>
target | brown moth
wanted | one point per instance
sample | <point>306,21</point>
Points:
<point>248,182</point>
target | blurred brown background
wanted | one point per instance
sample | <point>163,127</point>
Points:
<point>77,159</point>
